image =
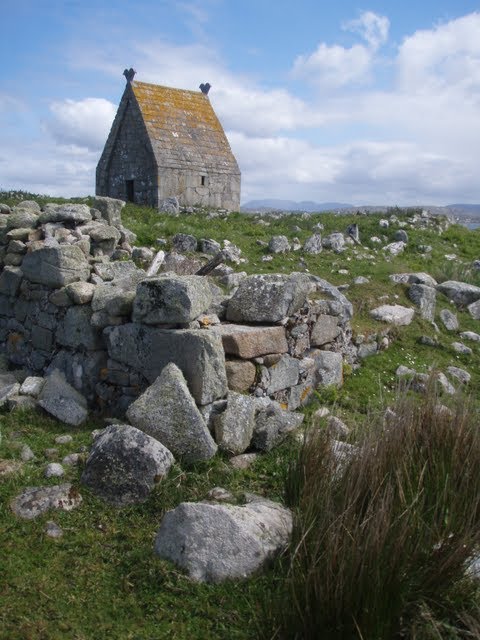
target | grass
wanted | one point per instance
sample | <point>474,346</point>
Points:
<point>102,579</point>
<point>381,543</point>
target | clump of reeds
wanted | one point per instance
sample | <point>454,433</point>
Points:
<point>383,538</point>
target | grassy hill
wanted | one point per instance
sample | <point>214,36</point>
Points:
<point>101,579</point>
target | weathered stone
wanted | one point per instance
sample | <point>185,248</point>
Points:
<point>105,235</point>
<point>35,501</point>
<point>279,244</point>
<point>110,208</point>
<point>268,298</point>
<point>401,236</point>
<point>243,461</point>
<point>65,439</point>
<point>42,338</point>
<point>459,347</point>
<point>470,335</point>
<point>175,299</point>
<point>26,454</point>
<point>234,427</point>
<point>56,266</point>
<point>324,330</point>
<point>119,271</point>
<point>449,319</point>
<point>169,205</point>
<point>198,353</point>
<point>73,213</point>
<point>216,542</point>
<point>395,248</point>
<point>367,349</point>
<point>114,298</point>
<point>167,412</point>
<point>393,314</point>
<point>425,298</point>
<point>184,243</point>
<point>329,367</point>
<point>335,242</point>
<point>76,331</point>
<point>180,264</point>
<point>272,426</point>
<point>250,342</point>
<point>10,280</point>
<point>207,245</point>
<point>124,464</point>
<point>63,401</point>
<point>283,374</point>
<point>22,219</point>
<point>52,530</point>
<point>460,292</point>
<point>54,470</point>
<point>459,374</point>
<point>337,428</point>
<point>343,307</point>
<point>7,392</point>
<point>419,277</point>
<point>442,381</point>
<point>240,374</point>
<point>80,292</point>
<point>474,310</point>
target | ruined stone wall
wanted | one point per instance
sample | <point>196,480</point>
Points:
<point>68,304</point>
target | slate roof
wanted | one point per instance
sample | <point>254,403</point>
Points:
<point>183,129</point>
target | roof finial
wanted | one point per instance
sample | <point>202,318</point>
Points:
<point>129,74</point>
<point>205,88</point>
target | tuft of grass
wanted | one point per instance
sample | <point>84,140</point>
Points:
<point>382,540</point>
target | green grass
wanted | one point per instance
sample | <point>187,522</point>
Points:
<point>102,579</point>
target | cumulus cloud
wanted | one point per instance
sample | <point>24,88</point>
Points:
<point>84,123</point>
<point>335,66</point>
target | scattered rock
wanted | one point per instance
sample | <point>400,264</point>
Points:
<point>337,428</point>
<point>279,244</point>
<point>395,248</point>
<point>250,342</point>
<point>393,314</point>
<point>459,374</point>
<point>234,427</point>
<point>470,335</point>
<point>52,530</point>
<point>54,470</point>
<point>216,542</point>
<point>65,439</point>
<point>62,401</point>
<point>474,310</point>
<point>449,319</point>
<point>272,426</point>
<point>243,461</point>
<point>313,244</point>
<point>425,298</point>
<point>460,292</point>
<point>35,501</point>
<point>459,347</point>
<point>124,464</point>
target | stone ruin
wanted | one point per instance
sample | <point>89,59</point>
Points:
<point>190,363</point>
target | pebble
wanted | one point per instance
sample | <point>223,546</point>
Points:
<point>54,470</point>
<point>26,454</point>
<point>52,530</point>
<point>63,439</point>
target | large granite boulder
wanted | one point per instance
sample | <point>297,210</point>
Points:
<point>167,412</point>
<point>234,426</point>
<point>268,298</point>
<point>125,464</point>
<point>216,542</point>
<point>61,400</point>
<point>174,299</point>
<point>461,293</point>
<point>56,266</point>
<point>199,354</point>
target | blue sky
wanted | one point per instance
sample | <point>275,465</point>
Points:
<point>375,103</point>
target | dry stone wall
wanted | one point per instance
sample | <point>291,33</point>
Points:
<point>71,303</point>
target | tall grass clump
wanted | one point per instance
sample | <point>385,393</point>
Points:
<point>383,537</point>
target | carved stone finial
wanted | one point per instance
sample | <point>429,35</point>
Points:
<point>205,88</point>
<point>129,74</point>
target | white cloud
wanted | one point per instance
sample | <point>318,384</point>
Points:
<point>335,66</point>
<point>84,123</point>
<point>372,27</point>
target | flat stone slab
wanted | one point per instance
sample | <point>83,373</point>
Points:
<point>250,342</point>
<point>197,353</point>
<point>56,266</point>
<point>62,400</point>
<point>393,314</point>
<point>35,501</point>
<point>216,542</point>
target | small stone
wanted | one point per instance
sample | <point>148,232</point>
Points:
<point>459,374</point>
<point>446,386</point>
<point>66,439</point>
<point>459,347</point>
<point>337,428</point>
<point>51,453</point>
<point>449,320</point>
<point>279,244</point>
<point>52,530</point>
<point>26,454</point>
<point>35,501</point>
<point>71,459</point>
<point>219,494</point>
<point>470,335</point>
<point>54,470</point>
<point>395,248</point>
<point>243,461</point>
<point>393,314</point>
<point>32,386</point>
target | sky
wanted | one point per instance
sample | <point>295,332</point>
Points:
<point>359,102</point>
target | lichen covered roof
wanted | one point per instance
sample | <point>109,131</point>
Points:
<point>183,129</point>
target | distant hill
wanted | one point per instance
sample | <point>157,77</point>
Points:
<point>290,205</point>
<point>464,209</point>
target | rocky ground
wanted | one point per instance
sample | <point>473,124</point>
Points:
<point>113,551</point>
